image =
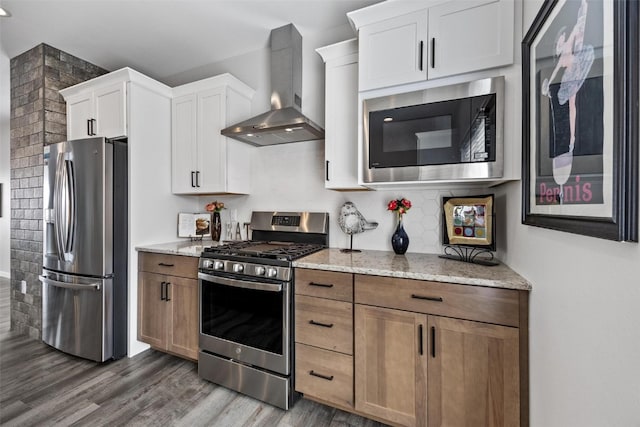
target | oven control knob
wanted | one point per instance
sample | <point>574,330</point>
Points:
<point>207,264</point>
<point>260,270</point>
<point>272,272</point>
<point>238,268</point>
<point>218,265</point>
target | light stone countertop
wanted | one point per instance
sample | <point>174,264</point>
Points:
<point>414,266</point>
<point>182,247</point>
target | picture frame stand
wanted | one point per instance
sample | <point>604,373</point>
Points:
<point>195,238</point>
<point>471,254</point>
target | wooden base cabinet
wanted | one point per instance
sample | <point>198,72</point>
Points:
<point>473,377</point>
<point>390,368</point>
<point>167,304</point>
<point>415,368</point>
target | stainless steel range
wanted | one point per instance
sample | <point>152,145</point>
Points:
<point>246,305</point>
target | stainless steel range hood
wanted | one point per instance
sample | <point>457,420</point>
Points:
<point>285,122</point>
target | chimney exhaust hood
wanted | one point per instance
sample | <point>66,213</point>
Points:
<point>285,122</point>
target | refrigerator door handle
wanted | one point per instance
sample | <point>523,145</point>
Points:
<point>64,203</point>
<point>94,286</point>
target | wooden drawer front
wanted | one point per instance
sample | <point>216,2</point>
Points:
<point>484,304</point>
<point>173,265</point>
<point>324,284</point>
<point>325,375</point>
<point>324,323</point>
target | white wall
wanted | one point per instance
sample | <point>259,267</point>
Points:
<point>5,168</point>
<point>584,319</point>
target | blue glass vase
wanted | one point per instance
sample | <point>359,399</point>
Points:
<point>400,239</point>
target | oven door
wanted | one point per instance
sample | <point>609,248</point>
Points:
<point>246,320</point>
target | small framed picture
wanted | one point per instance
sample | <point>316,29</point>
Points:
<point>194,224</point>
<point>468,221</point>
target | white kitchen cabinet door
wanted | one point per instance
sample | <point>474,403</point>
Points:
<point>341,115</point>
<point>79,112</point>
<point>486,42</point>
<point>204,161</point>
<point>100,111</point>
<point>393,51</point>
<point>212,148</point>
<point>183,159</point>
<point>111,110</point>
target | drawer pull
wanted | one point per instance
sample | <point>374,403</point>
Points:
<point>438,299</point>
<point>324,377</point>
<point>324,325</point>
<point>433,341</point>
<point>420,342</point>
<point>321,285</point>
<point>164,264</point>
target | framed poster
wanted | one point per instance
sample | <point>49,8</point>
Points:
<point>580,118</point>
<point>194,224</point>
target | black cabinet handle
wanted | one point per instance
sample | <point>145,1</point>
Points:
<point>326,170</point>
<point>433,52</point>
<point>162,291</point>
<point>324,377</point>
<point>421,53</point>
<point>193,175</point>
<point>324,325</point>
<point>166,297</point>
<point>437,299</point>
<point>420,340</point>
<point>164,264</point>
<point>321,285</point>
<point>198,179</point>
<point>89,127</point>
<point>433,341</point>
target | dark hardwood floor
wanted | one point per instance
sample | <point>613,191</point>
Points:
<point>43,386</point>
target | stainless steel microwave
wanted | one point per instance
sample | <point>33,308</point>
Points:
<point>448,133</point>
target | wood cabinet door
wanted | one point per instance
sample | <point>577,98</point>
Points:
<point>183,329</point>
<point>111,110</point>
<point>152,310</point>
<point>393,51</point>
<point>79,111</point>
<point>473,374</point>
<point>486,42</point>
<point>390,371</point>
<point>183,144</point>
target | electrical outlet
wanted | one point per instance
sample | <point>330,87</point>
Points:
<point>23,287</point>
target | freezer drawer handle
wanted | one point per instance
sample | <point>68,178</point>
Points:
<point>94,286</point>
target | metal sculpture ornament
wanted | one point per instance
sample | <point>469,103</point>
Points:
<point>352,222</point>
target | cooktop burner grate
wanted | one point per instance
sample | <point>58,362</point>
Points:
<point>272,250</point>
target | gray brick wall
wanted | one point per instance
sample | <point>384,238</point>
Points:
<point>38,117</point>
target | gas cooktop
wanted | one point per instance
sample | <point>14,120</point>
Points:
<point>286,251</point>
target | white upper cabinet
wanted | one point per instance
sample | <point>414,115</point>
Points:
<point>485,41</point>
<point>392,51</point>
<point>204,161</point>
<point>98,108</point>
<point>400,46</point>
<point>341,115</point>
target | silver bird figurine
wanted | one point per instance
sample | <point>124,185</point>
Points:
<point>352,222</point>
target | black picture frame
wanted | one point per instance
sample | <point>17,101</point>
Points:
<point>597,193</point>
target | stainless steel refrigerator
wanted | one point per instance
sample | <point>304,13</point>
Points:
<point>84,278</point>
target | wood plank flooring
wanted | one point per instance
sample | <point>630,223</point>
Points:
<point>40,386</point>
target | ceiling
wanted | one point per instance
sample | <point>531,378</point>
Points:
<point>162,38</point>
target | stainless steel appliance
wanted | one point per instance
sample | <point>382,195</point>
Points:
<point>285,121</point>
<point>246,305</point>
<point>84,278</point>
<point>442,133</point>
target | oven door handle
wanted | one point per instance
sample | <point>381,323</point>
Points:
<point>270,287</point>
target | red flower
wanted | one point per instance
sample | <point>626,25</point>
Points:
<point>401,206</point>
